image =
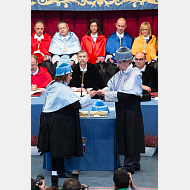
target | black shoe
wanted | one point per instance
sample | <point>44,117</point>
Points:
<point>137,167</point>
<point>65,175</point>
<point>120,168</point>
<point>130,171</point>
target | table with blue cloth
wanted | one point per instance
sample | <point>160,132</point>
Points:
<point>101,146</point>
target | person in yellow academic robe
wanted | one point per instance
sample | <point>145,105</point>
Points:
<point>145,42</point>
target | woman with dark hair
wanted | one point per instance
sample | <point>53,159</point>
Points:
<point>60,132</point>
<point>94,43</point>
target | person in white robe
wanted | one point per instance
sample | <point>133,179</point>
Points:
<point>125,89</point>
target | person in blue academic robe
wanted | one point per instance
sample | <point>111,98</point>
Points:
<point>60,132</point>
<point>64,42</point>
<point>118,39</point>
<point>125,89</point>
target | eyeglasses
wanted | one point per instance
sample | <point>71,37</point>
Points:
<point>144,29</point>
<point>141,59</point>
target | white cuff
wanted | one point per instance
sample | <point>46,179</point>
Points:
<point>85,101</point>
<point>107,57</point>
<point>111,96</point>
<point>106,89</point>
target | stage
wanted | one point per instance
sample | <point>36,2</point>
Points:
<point>101,148</point>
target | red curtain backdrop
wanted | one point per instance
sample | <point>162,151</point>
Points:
<point>78,20</point>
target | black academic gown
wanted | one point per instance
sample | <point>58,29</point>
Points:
<point>150,78</point>
<point>92,78</point>
<point>60,132</point>
<point>129,125</point>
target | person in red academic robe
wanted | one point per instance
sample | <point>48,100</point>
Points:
<point>40,77</point>
<point>94,43</point>
<point>40,43</point>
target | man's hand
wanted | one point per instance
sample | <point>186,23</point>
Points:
<point>101,93</point>
<point>86,187</point>
<point>101,58</point>
<point>92,93</point>
<point>98,60</point>
<point>42,187</point>
<point>111,60</point>
<point>146,88</point>
<point>33,87</point>
<point>45,58</point>
<point>130,180</point>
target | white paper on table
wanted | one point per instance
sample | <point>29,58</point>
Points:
<point>39,90</point>
<point>111,108</point>
<point>89,89</point>
<point>74,89</point>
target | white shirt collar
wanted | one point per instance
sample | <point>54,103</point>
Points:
<point>83,70</point>
<point>65,37</point>
<point>146,38</point>
<point>94,37</point>
<point>143,69</point>
<point>36,72</point>
<point>120,35</point>
<point>38,37</point>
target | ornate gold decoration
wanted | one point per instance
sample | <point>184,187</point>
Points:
<point>93,3</point>
<point>33,3</point>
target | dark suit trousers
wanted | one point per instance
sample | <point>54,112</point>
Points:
<point>58,165</point>
<point>131,161</point>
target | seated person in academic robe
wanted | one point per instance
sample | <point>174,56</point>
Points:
<point>86,74</point>
<point>60,132</point>
<point>94,43</point>
<point>40,43</point>
<point>145,42</point>
<point>149,74</point>
<point>64,42</point>
<point>40,77</point>
<point>125,89</point>
<point>118,39</point>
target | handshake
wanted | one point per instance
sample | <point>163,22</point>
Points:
<point>98,92</point>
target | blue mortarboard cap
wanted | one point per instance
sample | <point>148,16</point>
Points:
<point>64,66</point>
<point>99,105</point>
<point>123,54</point>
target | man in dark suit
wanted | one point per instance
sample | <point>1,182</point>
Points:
<point>86,74</point>
<point>149,74</point>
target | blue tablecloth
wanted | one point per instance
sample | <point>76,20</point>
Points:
<point>101,149</point>
<point>149,112</point>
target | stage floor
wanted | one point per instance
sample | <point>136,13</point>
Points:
<point>146,178</point>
